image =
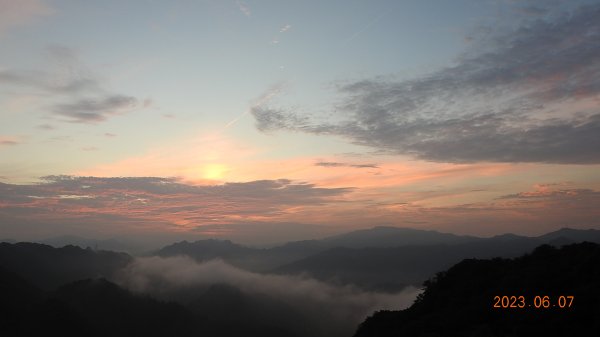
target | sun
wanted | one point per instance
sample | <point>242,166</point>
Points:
<point>214,171</point>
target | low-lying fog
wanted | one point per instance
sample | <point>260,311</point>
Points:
<point>314,307</point>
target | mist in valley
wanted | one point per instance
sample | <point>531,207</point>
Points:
<point>298,303</point>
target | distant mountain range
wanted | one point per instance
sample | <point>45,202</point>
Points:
<point>461,300</point>
<point>268,259</point>
<point>381,258</point>
<point>117,245</point>
<point>393,237</point>
<point>393,268</point>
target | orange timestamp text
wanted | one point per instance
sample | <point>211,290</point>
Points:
<point>537,302</point>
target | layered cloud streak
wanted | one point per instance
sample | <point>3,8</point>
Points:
<point>164,201</point>
<point>265,208</point>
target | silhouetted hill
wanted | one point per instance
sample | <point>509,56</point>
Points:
<point>390,258</point>
<point>459,302</point>
<point>96,244</point>
<point>203,250</point>
<point>393,268</point>
<point>206,249</point>
<point>263,260</point>
<point>101,308</point>
<point>112,311</point>
<point>47,267</point>
<point>393,237</point>
<point>25,310</point>
<point>253,259</point>
<point>242,314</point>
<point>18,300</point>
<point>569,235</point>
<point>88,308</point>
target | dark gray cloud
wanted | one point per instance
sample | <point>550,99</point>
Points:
<point>505,100</point>
<point>85,98</point>
<point>337,164</point>
<point>268,120</point>
<point>93,111</point>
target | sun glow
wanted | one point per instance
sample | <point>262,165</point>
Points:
<point>214,171</point>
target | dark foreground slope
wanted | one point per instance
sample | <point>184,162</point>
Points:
<point>47,267</point>
<point>46,291</point>
<point>460,301</point>
<point>101,308</point>
<point>86,308</point>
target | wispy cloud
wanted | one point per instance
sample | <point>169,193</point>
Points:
<point>263,99</point>
<point>554,193</point>
<point>46,127</point>
<point>8,141</point>
<point>86,100</point>
<point>65,74</point>
<point>285,28</point>
<point>243,7</point>
<point>92,111</point>
<point>338,164</point>
<point>366,27</point>
<point>47,81</point>
<point>528,96</point>
<point>282,30</point>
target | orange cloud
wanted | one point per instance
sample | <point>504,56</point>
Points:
<point>71,204</point>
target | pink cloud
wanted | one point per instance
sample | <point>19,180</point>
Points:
<point>8,141</point>
<point>169,205</point>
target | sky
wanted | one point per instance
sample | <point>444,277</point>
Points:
<point>269,121</point>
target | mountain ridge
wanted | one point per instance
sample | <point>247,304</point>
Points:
<point>460,301</point>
